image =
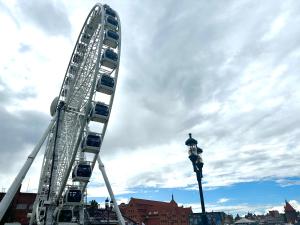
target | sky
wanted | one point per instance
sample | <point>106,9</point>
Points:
<point>225,71</point>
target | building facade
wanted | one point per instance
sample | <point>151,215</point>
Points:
<point>273,217</point>
<point>213,218</point>
<point>150,212</point>
<point>99,216</point>
<point>21,205</point>
<point>245,221</point>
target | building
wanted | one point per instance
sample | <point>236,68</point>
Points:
<point>20,206</point>
<point>273,217</point>
<point>98,216</point>
<point>228,219</point>
<point>244,221</point>
<point>290,213</point>
<point>213,218</point>
<point>150,212</point>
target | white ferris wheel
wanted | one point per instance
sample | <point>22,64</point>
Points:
<point>80,115</point>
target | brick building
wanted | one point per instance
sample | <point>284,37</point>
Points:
<point>20,206</point>
<point>150,212</point>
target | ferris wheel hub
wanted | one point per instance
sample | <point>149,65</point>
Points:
<point>53,106</point>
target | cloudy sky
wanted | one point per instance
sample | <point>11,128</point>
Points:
<point>226,71</point>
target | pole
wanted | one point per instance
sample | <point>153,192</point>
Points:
<point>200,191</point>
<point>199,179</point>
<point>112,197</point>
<point>10,194</point>
<point>194,156</point>
<point>108,216</point>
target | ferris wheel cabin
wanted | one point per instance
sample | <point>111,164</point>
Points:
<point>82,172</point>
<point>91,143</point>
<point>111,38</point>
<point>111,23</point>
<point>66,216</point>
<point>100,112</point>
<point>72,196</point>
<point>106,84</point>
<point>109,11</point>
<point>110,59</point>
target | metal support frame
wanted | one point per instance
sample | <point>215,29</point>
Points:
<point>111,194</point>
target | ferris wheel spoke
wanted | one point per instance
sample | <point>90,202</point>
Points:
<point>87,70</point>
<point>83,86</point>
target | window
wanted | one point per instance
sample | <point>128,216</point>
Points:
<point>21,206</point>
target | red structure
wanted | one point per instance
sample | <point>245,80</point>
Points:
<point>150,212</point>
<point>20,206</point>
<point>290,213</point>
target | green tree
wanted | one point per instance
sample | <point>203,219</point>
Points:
<point>94,204</point>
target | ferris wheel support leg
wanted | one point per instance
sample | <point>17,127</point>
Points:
<point>10,194</point>
<point>116,207</point>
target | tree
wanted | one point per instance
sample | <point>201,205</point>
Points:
<point>93,207</point>
<point>94,204</point>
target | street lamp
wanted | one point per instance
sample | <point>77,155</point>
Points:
<point>195,157</point>
<point>108,208</point>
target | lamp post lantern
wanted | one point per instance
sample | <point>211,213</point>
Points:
<point>195,157</point>
<point>108,208</point>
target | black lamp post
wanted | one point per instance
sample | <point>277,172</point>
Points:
<point>108,208</point>
<point>195,157</point>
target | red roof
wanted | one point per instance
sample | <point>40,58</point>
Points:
<point>151,204</point>
<point>148,202</point>
<point>288,207</point>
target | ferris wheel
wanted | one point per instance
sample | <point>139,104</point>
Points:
<point>80,115</point>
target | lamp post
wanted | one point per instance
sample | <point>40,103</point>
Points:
<point>108,208</point>
<point>195,157</point>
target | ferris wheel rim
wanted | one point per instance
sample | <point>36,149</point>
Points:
<point>76,45</point>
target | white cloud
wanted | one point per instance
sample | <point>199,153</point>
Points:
<point>223,200</point>
<point>276,26</point>
<point>288,182</point>
<point>210,107</point>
